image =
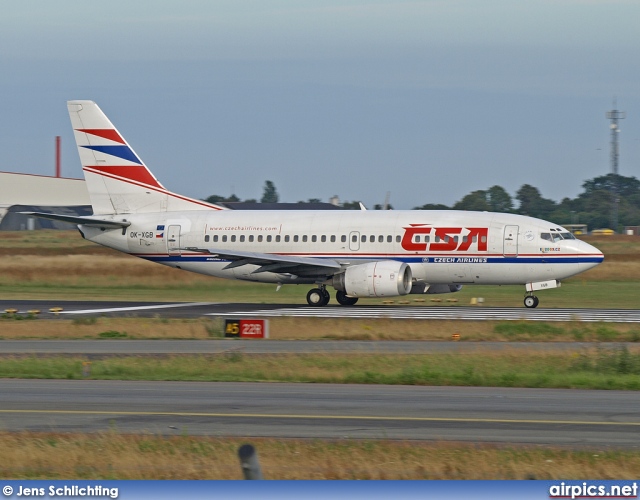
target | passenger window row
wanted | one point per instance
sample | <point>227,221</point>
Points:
<point>233,238</point>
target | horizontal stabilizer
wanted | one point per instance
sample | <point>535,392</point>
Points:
<point>85,221</point>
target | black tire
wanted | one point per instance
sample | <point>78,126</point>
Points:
<point>317,297</point>
<point>531,301</point>
<point>343,300</point>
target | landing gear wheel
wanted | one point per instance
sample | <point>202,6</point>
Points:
<point>531,301</point>
<point>318,297</point>
<point>343,300</point>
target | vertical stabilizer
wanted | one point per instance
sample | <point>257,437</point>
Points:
<point>117,179</point>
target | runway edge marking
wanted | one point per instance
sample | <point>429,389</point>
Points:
<point>140,308</point>
<point>502,314</point>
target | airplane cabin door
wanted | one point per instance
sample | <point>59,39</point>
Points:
<point>510,248</point>
<point>173,240</point>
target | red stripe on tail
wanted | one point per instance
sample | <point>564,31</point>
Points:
<point>138,174</point>
<point>105,133</point>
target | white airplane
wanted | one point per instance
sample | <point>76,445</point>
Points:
<point>358,253</point>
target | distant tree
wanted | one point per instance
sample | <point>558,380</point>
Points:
<point>595,204</point>
<point>625,186</point>
<point>475,201</point>
<point>499,200</point>
<point>378,206</point>
<point>270,195</point>
<point>311,200</point>
<point>533,204</point>
<point>214,198</point>
<point>433,206</point>
<point>566,212</point>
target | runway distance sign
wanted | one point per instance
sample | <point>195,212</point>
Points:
<point>246,328</point>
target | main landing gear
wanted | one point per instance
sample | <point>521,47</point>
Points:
<point>343,300</point>
<point>318,297</point>
<point>531,301</point>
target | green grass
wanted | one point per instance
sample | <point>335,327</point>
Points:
<point>614,368</point>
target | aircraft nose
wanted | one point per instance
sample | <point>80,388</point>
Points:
<point>595,255</point>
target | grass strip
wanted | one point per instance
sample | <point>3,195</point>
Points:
<point>25,326</point>
<point>111,455</point>
<point>599,368</point>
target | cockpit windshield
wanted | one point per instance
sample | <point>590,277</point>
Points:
<point>555,236</point>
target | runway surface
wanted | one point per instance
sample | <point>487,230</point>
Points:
<point>537,416</point>
<point>199,309</point>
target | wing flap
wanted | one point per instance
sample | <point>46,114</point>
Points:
<point>271,262</point>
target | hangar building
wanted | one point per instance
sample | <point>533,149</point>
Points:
<point>40,193</point>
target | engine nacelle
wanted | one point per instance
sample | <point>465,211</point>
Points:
<point>385,278</point>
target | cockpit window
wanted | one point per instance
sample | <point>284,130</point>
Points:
<point>553,237</point>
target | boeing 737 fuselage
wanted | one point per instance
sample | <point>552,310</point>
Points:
<point>358,253</point>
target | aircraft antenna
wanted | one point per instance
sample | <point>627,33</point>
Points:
<point>614,115</point>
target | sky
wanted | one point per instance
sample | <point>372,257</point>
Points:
<point>424,100</point>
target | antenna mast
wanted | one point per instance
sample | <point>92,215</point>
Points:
<point>614,115</point>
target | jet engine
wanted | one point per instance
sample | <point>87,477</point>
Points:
<point>385,278</point>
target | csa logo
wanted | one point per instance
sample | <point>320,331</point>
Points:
<point>446,238</point>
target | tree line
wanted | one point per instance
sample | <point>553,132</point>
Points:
<point>593,207</point>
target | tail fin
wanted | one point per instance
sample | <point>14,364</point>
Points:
<point>117,179</point>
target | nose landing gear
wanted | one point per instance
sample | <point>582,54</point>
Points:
<point>531,301</point>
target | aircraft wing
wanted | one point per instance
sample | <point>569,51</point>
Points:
<point>85,221</point>
<point>268,262</point>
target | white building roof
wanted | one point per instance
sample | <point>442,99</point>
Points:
<point>28,189</point>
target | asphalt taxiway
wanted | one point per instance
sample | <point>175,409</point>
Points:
<point>478,414</point>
